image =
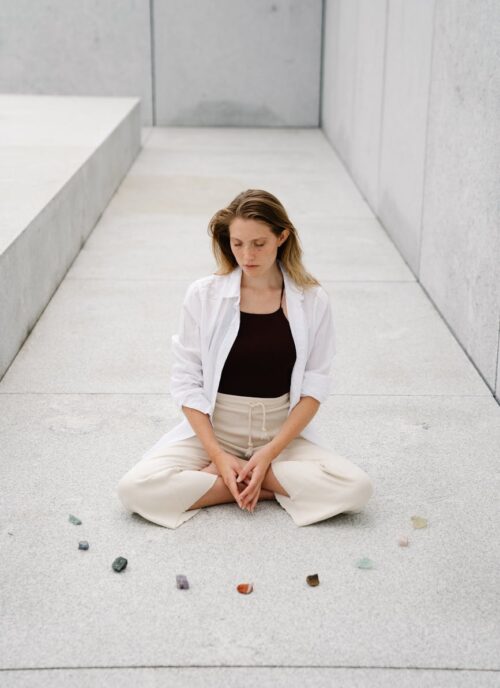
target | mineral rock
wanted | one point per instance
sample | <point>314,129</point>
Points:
<point>182,582</point>
<point>119,563</point>
<point>419,522</point>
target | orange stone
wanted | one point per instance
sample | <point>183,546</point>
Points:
<point>245,588</point>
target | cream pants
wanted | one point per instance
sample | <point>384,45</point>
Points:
<point>320,482</point>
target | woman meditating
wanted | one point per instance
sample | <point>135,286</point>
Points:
<point>251,367</point>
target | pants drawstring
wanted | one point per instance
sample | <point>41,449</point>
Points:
<point>251,449</point>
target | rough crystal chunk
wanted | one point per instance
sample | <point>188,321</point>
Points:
<point>364,563</point>
<point>74,520</point>
<point>182,582</point>
<point>313,579</point>
<point>419,522</point>
<point>119,563</point>
<point>83,544</point>
<point>245,588</point>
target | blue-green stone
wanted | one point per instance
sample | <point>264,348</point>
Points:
<point>119,563</point>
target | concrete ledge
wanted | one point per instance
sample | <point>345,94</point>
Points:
<point>62,159</point>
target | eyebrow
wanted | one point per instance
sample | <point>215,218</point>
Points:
<point>258,239</point>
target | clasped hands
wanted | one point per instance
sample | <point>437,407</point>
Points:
<point>248,478</point>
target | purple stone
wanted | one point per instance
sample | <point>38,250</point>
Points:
<point>182,582</point>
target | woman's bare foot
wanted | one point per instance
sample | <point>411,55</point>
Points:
<point>211,468</point>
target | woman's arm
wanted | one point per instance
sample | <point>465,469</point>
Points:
<point>296,421</point>
<point>200,422</point>
<point>186,379</point>
<point>316,383</point>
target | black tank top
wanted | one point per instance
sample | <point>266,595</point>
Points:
<point>262,357</point>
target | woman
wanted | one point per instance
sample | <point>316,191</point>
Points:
<point>251,367</point>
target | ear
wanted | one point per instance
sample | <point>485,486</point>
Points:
<point>284,236</point>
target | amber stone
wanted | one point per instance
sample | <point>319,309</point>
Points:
<point>182,582</point>
<point>313,579</point>
<point>245,588</point>
<point>119,564</point>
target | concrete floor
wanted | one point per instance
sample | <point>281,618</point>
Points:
<point>87,395</point>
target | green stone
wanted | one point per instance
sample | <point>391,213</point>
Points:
<point>119,563</point>
<point>74,520</point>
<point>364,563</point>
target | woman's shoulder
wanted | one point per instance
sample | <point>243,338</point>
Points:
<point>314,293</point>
<point>208,285</point>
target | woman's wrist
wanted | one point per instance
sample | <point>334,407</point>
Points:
<point>214,453</point>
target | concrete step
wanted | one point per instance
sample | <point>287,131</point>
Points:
<point>61,160</point>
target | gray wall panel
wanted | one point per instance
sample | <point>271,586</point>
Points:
<point>237,63</point>
<point>460,254</point>
<point>353,72</point>
<point>404,123</point>
<point>438,153</point>
<point>77,47</point>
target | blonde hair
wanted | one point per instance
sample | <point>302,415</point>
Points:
<point>256,204</point>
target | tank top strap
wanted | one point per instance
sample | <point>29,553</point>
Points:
<point>282,289</point>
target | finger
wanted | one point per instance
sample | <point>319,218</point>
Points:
<point>254,501</point>
<point>242,474</point>
<point>247,492</point>
<point>249,496</point>
<point>233,488</point>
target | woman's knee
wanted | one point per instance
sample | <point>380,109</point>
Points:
<point>126,489</point>
<point>362,488</point>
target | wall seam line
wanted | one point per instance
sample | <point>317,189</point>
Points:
<point>153,70</point>
<point>422,207</point>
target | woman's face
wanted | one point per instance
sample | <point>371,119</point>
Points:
<point>254,244</point>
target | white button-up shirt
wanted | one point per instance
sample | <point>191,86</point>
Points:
<point>210,320</point>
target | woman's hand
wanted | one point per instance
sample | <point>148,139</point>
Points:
<point>228,467</point>
<point>257,466</point>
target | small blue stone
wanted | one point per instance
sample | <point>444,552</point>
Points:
<point>83,544</point>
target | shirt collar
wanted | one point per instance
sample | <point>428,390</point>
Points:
<point>233,284</point>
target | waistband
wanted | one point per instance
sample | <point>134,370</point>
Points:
<point>244,402</point>
<point>251,404</point>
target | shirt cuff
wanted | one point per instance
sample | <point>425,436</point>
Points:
<point>316,385</point>
<point>196,400</point>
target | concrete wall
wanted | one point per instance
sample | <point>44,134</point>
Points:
<point>77,47</point>
<point>192,62</point>
<point>411,102</point>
